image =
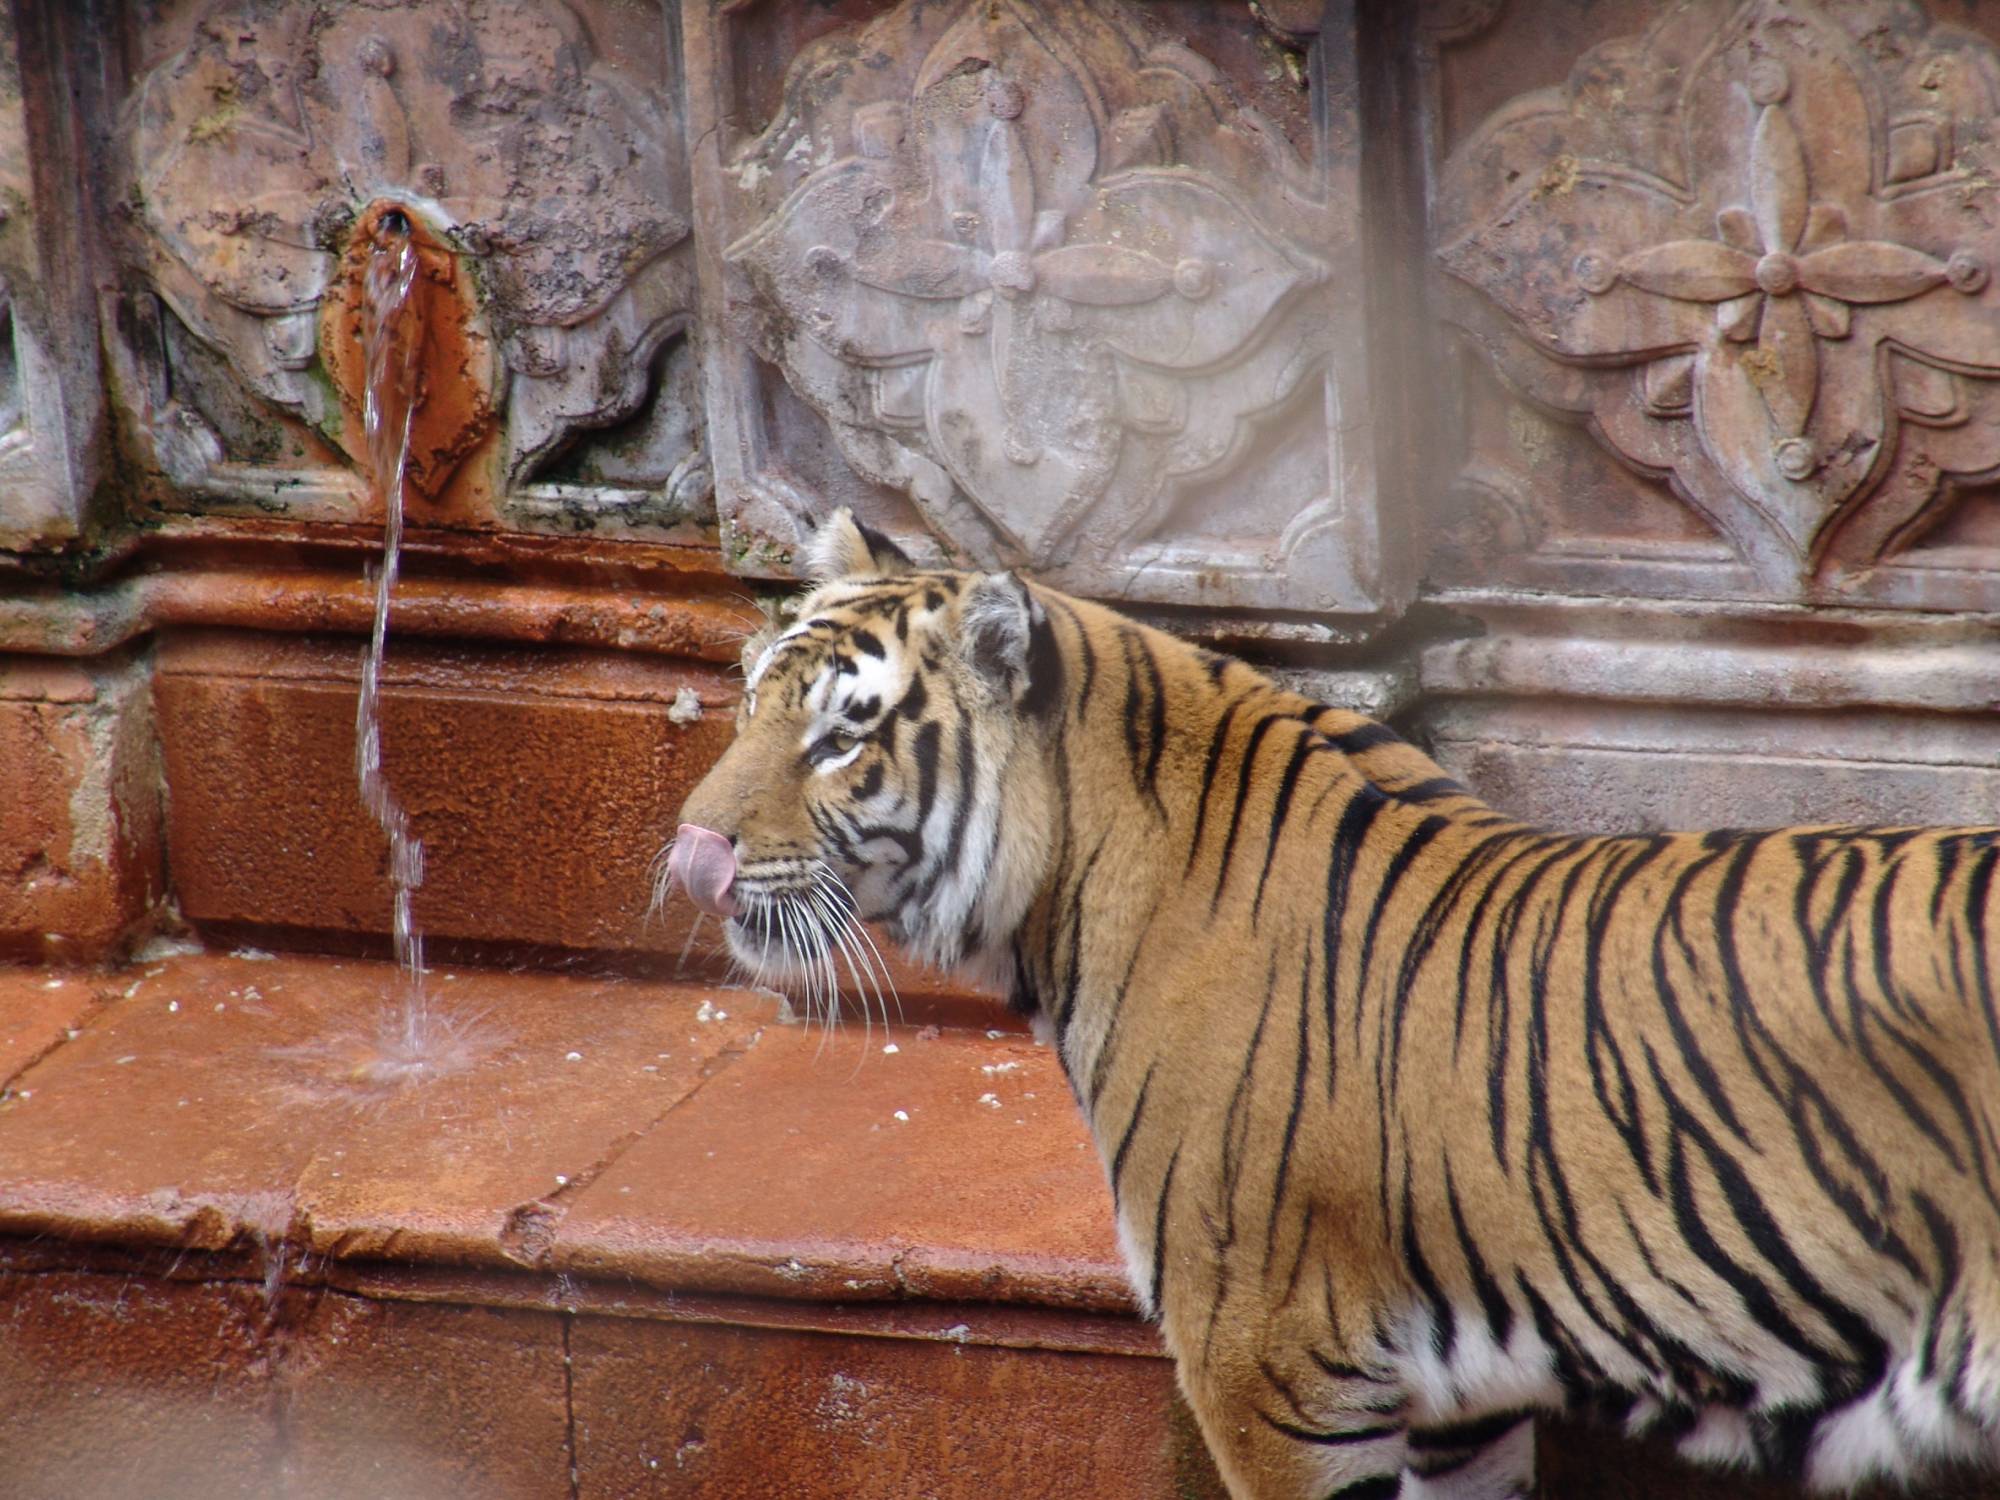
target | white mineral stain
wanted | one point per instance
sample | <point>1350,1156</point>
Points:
<point>686,707</point>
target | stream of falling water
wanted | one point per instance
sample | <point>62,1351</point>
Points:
<point>390,341</point>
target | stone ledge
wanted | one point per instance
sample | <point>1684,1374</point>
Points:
<point>658,1134</point>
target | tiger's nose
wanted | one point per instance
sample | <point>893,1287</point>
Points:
<point>705,865</point>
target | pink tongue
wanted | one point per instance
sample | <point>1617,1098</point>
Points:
<point>705,866</point>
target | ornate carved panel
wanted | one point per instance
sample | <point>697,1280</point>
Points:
<point>534,147</point>
<point>1036,284</point>
<point>1754,249</point>
<point>50,405</point>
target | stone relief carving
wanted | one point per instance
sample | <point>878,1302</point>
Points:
<point>542,183</point>
<point>1760,258</point>
<point>50,416</point>
<point>1019,275</point>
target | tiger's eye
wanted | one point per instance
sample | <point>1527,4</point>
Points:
<point>831,746</point>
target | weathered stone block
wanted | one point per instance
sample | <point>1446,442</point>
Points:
<point>757,1414</point>
<point>135,1388</point>
<point>542,785</point>
<point>535,149</point>
<point>79,823</point>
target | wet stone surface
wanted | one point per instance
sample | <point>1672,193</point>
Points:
<point>232,1102</point>
<point>652,1134</point>
<point>895,1163</point>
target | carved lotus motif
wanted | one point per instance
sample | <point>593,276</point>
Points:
<point>1011,259</point>
<point>1790,269</point>
<point>254,150</point>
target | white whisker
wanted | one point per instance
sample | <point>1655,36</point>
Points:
<point>661,874</point>
<point>688,947</point>
<point>836,925</point>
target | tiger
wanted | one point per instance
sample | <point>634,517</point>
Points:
<point>1419,1121</point>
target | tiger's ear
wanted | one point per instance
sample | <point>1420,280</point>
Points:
<point>1005,636</point>
<point>844,548</point>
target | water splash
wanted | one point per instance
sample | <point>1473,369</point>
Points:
<point>391,338</point>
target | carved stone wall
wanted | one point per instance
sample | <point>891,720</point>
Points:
<point>1720,329</point>
<point>536,149</point>
<point>1647,338</point>
<point>51,388</point>
<point>1746,251</point>
<point>1079,285</point>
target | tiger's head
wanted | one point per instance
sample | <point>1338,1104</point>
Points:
<point>889,766</point>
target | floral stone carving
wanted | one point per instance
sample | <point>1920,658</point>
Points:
<point>1003,280</point>
<point>1760,258</point>
<point>260,151</point>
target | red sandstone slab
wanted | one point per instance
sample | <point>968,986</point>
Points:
<point>122,1386</point>
<point>760,1414</point>
<point>542,785</point>
<point>954,1167</point>
<point>39,1008</point>
<point>225,1103</point>
<point>395,1401</point>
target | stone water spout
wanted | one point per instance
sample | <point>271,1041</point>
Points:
<point>449,358</point>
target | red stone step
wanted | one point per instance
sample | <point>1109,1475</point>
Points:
<point>645,1231</point>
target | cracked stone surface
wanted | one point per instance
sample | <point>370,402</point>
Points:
<point>224,1102</point>
<point>38,1010</point>
<point>650,1134</point>
<point>953,1166</point>
<point>756,1414</point>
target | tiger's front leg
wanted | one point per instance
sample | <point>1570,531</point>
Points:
<point>1485,1458</point>
<point>1358,1455</point>
<point>1344,1435</point>
<point>1286,1418</point>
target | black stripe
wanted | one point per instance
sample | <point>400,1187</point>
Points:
<point>1499,1311</point>
<point>1331,1439</point>
<point>1476,1433</point>
<point>1444,1325</point>
<point>1157,729</point>
<point>1420,839</point>
<point>1246,768</point>
<point>1348,837</point>
<point>1299,1069</point>
<point>1434,790</point>
<point>1364,736</point>
<point>1301,752</point>
<point>1944,1241</point>
<point>1131,1129</point>
<point>1084,650</point>
<point>1615,1094</point>
<point>1160,1234</point>
<point>1218,738</point>
<point>1696,1061</point>
<point>1376,1487</point>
